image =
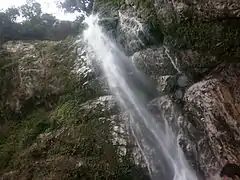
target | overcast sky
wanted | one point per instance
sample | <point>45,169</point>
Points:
<point>48,6</point>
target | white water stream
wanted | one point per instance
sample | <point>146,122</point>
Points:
<point>155,138</point>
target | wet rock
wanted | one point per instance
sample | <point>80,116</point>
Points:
<point>136,31</point>
<point>192,63</point>
<point>203,10</point>
<point>103,106</point>
<point>154,62</point>
<point>172,84</point>
<point>179,94</point>
<point>95,88</point>
<point>183,81</point>
<point>109,25</point>
<point>212,106</point>
<point>161,61</point>
<point>132,33</point>
<point>164,109</point>
<point>165,84</point>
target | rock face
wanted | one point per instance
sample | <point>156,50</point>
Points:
<point>208,125</point>
<point>190,48</point>
<point>212,106</point>
<point>208,10</point>
<point>66,125</point>
<point>35,77</point>
<point>205,10</point>
<point>154,62</point>
<point>197,64</point>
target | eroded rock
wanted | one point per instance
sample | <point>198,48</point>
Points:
<point>212,106</point>
<point>198,9</point>
<point>39,71</point>
<point>154,62</point>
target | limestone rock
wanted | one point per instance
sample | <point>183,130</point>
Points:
<point>165,84</point>
<point>154,62</point>
<point>39,70</point>
<point>103,106</point>
<point>192,63</point>
<point>198,9</point>
<point>212,106</point>
<point>132,33</point>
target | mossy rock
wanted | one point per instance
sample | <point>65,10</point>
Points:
<point>221,39</point>
<point>22,136</point>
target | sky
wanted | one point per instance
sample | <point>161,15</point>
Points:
<point>48,6</point>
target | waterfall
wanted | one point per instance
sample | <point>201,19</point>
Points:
<point>154,137</point>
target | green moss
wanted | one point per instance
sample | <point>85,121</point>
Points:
<point>65,113</point>
<point>23,135</point>
<point>107,6</point>
<point>216,37</point>
<point>41,138</point>
<point>148,15</point>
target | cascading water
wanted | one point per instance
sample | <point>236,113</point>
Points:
<point>155,139</point>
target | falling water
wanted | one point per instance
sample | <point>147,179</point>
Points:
<point>155,139</point>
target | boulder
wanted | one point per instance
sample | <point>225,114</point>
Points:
<point>103,106</point>
<point>193,64</point>
<point>154,62</point>
<point>212,107</point>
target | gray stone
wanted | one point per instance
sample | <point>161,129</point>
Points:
<point>212,106</point>
<point>192,63</point>
<point>183,81</point>
<point>154,62</point>
<point>168,11</point>
<point>165,84</point>
<point>178,94</point>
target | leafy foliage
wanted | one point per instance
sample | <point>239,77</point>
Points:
<point>31,10</point>
<point>84,6</point>
<point>36,25</point>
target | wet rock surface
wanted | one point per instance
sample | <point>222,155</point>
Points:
<point>154,62</point>
<point>200,9</point>
<point>197,65</point>
<point>212,106</point>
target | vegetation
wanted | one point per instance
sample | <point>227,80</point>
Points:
<point>49,128</point>
<point>84,6</point>
<point>219,38</point>
<point>62,144</point>
<point>36,25</point>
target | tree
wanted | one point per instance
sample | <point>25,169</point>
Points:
<point>12,13</point>
<point>84,6</point>
<point>48,19</point>
<point>36,25</point>
<point>8,28</point>
<point>31,10</point>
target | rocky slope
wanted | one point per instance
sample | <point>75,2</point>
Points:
<point>58,119</point>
